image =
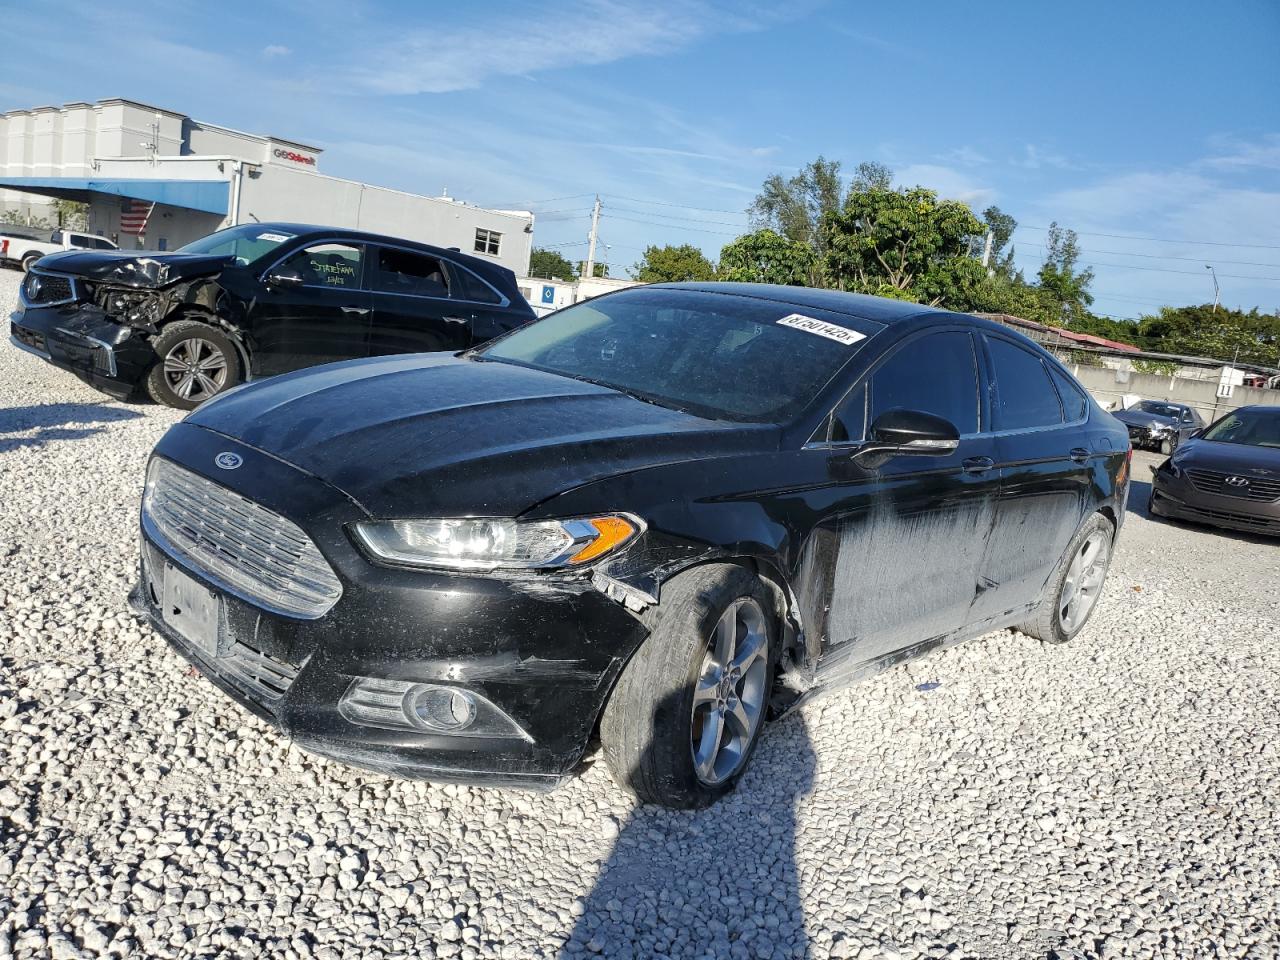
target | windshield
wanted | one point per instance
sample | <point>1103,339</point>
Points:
<point>247,242</point>
<point>718,356</point>
<point>1256,428</point>
<point>1159,409</point>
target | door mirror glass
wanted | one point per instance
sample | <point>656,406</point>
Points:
<point>284,277</point>
<point>914,432</point>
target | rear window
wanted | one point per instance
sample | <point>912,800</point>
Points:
<point>467,286</point>
<point>1027,396</point>
<point>1074,402</point>
<point>714,355</point>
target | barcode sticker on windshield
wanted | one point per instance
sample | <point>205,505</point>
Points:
<point>277,237</point>
<point>823,329</point>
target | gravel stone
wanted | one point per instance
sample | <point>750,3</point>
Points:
<point>1111,798</point>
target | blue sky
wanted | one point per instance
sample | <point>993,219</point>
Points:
<point>1138,120</point>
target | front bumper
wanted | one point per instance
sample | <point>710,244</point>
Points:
<point>1149,439</point>
<point>543,650</point>
<point>1177,497</point>
<point>110,356</point>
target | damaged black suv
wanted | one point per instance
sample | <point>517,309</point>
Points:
<point>254,301</point>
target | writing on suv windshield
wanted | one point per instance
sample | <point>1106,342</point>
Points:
<point>247,243</point>
<point>1257,428</point>
<point>714,355</point>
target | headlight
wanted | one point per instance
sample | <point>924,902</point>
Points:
<point>494,544</point>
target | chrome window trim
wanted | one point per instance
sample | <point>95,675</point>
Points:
<point>71,279</point>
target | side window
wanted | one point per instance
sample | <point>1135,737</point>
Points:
<point>937,374</point>
<point>488,241</point>
<point>1074,402</point>
<point>407,272</point>
<point>1027,396</point>
<point>467,286</point>
<point>327,265</point>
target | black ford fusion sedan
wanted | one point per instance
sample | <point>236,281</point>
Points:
<point>1228,475</point>
<point>656,518</point>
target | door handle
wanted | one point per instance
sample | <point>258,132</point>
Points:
<point>978,464</point>
<point>455,319</point>
<point>1079,454</point>
<point>358,311</point>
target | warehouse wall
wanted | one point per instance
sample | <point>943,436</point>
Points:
<point>1107,386</point>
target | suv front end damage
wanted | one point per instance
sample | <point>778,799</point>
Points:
<point>98,324</point>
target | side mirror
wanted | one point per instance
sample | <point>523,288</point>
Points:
<point>911,433</point>
<point>284,278</point>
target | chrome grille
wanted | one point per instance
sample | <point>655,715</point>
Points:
<point>246,548</point>
<point>45,289</point>
<point>1261,489</point>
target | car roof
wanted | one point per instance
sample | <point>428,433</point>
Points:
<point>860,305</point>
<point>303,230</point>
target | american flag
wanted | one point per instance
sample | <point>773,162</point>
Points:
<point>134,215</point>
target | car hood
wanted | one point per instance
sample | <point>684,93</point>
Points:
<point>1140,418</point>
<point>1240,458</point>
<point>134,269</point>
<point>436,435</point>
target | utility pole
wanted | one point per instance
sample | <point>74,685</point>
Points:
<point>986,250</point>
<point>1213,273</point>
<point>590,271</point>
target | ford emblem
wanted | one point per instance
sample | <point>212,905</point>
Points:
<point>228,460</point>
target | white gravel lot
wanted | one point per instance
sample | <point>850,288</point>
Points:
<point>1112,798</point>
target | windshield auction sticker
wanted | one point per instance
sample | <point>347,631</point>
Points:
<point>823,329</point>
<point>277,237</point>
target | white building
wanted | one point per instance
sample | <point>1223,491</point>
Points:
<point>546,296</point>
<point>155,179</point>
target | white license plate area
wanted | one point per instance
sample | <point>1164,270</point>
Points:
<point>191,610</point>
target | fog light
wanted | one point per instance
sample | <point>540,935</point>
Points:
<point>446,709</point>
<point>427,708</point>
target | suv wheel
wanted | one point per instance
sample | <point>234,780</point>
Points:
<point>29,261</point>
<point>194,362</point>
<point>681,725</point>
<point>1072,594</point>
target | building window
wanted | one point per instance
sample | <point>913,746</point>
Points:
<point>487,241</point>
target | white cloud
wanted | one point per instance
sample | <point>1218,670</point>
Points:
<point>1244,155</point>
<point>949,183</point>
<point>1033,158</point>
<point>589,32</point>
<point>966,156</point>
<point>276,50</point>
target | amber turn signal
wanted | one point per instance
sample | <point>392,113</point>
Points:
<point>612,532</point>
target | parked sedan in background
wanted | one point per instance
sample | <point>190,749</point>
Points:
<point>1159,424</point>
<point>656,517</point>
<point>254,301</point>
<point>1228,476</point>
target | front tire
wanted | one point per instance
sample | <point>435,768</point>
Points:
<point>194,363</point>
<point>29,261</point>
<point>1072,593</point>
<point>684,718</point>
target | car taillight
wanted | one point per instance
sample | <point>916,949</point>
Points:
<point>4,247</point>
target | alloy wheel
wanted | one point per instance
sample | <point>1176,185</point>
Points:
<point>729,696</point>
<point>1083,582</point>
<point>195,369</point>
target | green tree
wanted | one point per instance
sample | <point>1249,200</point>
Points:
<point>795,207</point>
<point>1001,226</point>
<point>766,257</point>
<point>71,214</point>
<point>551,264</point>
<point>1066,286</point>
<point>906,244</point>
<point>1200,330</point>
<point>670,264</point>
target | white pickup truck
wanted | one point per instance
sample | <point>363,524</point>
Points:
<point>24,246</point>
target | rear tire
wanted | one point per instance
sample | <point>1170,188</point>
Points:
<point>673,700</point>
<point>1078,579</point>
<point>194,363</point>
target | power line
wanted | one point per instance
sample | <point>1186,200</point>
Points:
<point>673,226</point>
<point>672,216</point>
<point>681,206</point>
<point>1194,243</point>
<point>1189,273</point>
